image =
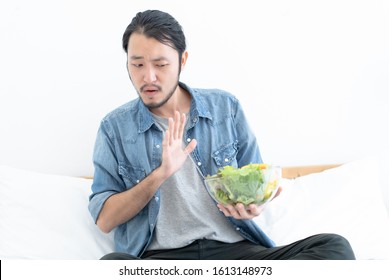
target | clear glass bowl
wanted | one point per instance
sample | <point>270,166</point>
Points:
<point>253,184</point>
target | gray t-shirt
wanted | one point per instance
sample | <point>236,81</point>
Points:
<point>187,211</point>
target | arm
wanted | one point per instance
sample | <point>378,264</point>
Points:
<point>123,206</point>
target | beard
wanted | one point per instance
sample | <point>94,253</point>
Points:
<point>155,105</point>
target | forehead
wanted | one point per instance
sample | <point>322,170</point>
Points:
<point>141,46</point>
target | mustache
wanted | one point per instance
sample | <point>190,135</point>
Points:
<point>142,88</point>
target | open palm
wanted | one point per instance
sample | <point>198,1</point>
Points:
<point>174,154</point>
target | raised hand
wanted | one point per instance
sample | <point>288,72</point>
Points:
<point>174,154</point>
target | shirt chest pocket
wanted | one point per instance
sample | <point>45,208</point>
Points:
<point>131,175</point>
<point>226,155</point>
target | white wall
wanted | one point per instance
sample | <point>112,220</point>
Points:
<point>312,75</point>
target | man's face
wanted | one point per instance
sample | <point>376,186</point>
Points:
<point>153,68</point>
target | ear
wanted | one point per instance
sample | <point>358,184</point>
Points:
<point>128,71</point>
<point>184,58</point>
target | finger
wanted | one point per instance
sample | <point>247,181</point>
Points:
<point>241,211</point>
<point>170,131</point>
<point>254,210</point>
<point>233,212</point>
<point>166,139</point>
<point>277,193</point>
<point>191,146</point>
<point>182,126</point>
<point>177,124</point>
<point>224,210</point>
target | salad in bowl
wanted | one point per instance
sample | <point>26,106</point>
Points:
<point>251,184</point>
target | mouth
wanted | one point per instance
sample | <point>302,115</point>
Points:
<point>150,91</point>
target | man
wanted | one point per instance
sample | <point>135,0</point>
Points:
<point>151,155</point>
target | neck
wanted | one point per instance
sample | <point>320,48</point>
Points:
<point>180,101</point>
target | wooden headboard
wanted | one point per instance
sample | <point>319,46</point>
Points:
<point>291,172</point>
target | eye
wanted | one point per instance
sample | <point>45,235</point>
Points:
<point>137,65</point>
<point>161,65</point>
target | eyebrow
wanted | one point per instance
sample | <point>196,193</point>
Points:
<point>160,58</point>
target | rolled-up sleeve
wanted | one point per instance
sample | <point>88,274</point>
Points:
<point>106,179</point>
<point>96,203</point>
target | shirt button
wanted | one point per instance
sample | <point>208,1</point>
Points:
<point>137,181</point>
<point>157,146</point>
<point>156,198</point>
<point>194,119</point>
<point>238,228</point>
<point>226,160</point>
<point>199,163</point>
<point>188,140</point>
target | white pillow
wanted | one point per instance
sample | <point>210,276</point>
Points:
<point>46,217</point>
<point>346,200</point>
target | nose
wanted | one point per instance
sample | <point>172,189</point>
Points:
<point>149,75</point>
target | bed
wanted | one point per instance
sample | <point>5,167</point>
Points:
<point>45,216</point>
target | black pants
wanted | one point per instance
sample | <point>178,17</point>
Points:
<point>317,247</point>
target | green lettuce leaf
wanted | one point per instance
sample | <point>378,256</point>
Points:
<point>241,185</point>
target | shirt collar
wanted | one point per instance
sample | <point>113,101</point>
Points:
<point>198,106</point>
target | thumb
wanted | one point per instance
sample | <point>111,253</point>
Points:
<point>191,146</point>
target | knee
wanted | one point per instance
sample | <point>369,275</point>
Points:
<point>118,256</point>
<point>341,246</point>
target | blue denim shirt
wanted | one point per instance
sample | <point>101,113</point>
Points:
<point>129,147</point>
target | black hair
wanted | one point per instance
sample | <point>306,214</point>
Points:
<point>158,25</point>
